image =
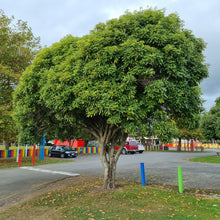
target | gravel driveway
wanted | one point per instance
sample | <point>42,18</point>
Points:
<point>160,168</point>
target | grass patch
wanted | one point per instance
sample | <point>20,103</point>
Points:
<point>208,159</point>
<point>183,151</point>
<point>87,200</point>
<point>27,161</point>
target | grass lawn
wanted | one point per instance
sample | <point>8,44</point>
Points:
<point>27,161</point>
<point>87,200</point>
<point>208,159</point>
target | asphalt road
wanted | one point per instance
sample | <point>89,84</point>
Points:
<point>160,168</point>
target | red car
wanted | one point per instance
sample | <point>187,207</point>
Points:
<point>129,147</point>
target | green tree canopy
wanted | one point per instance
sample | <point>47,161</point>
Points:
<point>17,48</point>
<point>210,122</point>
<point>136,74</point>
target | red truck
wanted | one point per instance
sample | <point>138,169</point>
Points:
<point>131,147</point>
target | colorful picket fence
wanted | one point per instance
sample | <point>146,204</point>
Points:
<point>80,150</point>
<point>152,148</point>
<point>193,146</point>
<point>13,153</point>
<point>87,150</point>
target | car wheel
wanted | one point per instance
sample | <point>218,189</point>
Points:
<point>124,151</point>
<point>140,152</point>
<point>62,155</point>
<point>50,155</point>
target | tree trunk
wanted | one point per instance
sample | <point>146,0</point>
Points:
<point>86,143</point>
<point>179,145</point>
<point>109,174</point>
<point>7,145</point>
<point>109,159</point>
<point>108,135</point>
<point>71,143</point>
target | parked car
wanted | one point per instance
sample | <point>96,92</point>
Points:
<point>131,147</point>
<point>62,151</point>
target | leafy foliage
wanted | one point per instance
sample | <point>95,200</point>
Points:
<point>195,134</point>
<point>31,112</point>
<point>210,123</point>
<point>17,49</point>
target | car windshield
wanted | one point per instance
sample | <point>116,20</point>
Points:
<point>133,143</point>
<point>66,148</point>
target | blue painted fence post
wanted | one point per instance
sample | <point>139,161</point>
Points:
<point>42,147</point>
<point>142,174</point>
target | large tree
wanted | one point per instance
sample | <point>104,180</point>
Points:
<point>137,74</point>
<point>210,122</point>
<point>17,48</point>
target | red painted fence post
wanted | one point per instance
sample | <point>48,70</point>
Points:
<point>33,155</point>
<point>19,160</point>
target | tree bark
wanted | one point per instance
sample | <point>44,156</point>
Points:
<point>7,145</point>
<point>109,165</point>
<point>109,158</point>
<point>108,135</point>
<point>109,177</point>
<point>86,143</point>
<point>179,145</point>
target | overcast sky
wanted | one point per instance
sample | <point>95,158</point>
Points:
<point>51,20</point>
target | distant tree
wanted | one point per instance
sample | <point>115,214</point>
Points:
<point>17,48</point>
<point>131,75</point>
<point>210,123</point>
<point>188,129</point>
<point>189,134</point>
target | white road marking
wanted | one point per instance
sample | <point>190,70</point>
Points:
<point>50,171</point>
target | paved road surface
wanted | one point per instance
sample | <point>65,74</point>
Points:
<point>160,167</point>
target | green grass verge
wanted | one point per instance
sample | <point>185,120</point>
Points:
<point>208,159</point>
<point>183,151</point>
<point>87,200</point>
<point>27,161</point>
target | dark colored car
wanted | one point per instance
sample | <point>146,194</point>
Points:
<point>62,151</point>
